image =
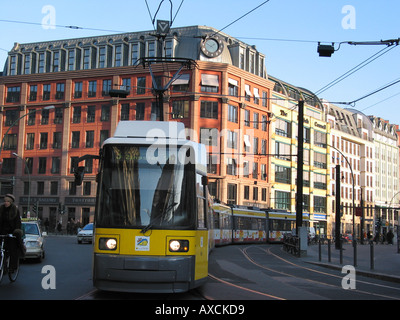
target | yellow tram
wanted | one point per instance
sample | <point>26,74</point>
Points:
<point>152,213</point>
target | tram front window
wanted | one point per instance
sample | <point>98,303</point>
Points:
<point>142,189</point>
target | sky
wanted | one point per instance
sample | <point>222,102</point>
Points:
<point>286,31</point>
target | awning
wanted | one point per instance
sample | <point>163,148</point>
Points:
<point>209,80</point>
<point>247,140</point>
<point>182,79</point>
<point>247,89</point>
<point>233,82</point>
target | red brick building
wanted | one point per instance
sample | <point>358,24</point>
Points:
<point>223,100</point>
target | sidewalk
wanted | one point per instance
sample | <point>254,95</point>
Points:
<point>386,262</point>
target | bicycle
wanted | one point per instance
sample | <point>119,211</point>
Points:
<point>5,260</point>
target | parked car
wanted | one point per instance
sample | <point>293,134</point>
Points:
<point>86,234</point>
<point>33,240</point>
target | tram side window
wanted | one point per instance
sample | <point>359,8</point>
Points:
<point>201,203</point>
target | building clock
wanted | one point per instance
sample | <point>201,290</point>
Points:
<point>212,46</point>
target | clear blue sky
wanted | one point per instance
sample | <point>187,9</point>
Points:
<point>296,62</point>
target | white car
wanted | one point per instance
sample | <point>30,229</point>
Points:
<point>86,234</point>
<point>33,240</point>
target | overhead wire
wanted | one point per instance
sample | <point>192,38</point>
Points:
<point>241,17</point>
<point>355,69</point>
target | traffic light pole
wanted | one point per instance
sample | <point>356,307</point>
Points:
<point>300,157</point>
<point>337,208</point>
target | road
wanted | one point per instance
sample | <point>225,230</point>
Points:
<point>265,272</point>
<point>236,273</point>
<point>72,267</point>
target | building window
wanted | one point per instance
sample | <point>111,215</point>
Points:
<point>180,109</point>
<point>232,193</point>
<point>246,193</point>
<point>282,174</point>
<point>124,111</point>
<point>209,83</point>
<point>232,139</point>
<point>209,136</point>
<point>56,61</point>
<point>10,141</point>
<point>58,115</point>
<point>60,87</point>
<point>141,85</point>
<point>42,165</point>
<point>231,167</point>
<point>46,91</point>
<point>232,114</point>
<point>104,134</point>
<point>181,84</point>
<point>45,116</point>
<point>255,193</point>
<point>71,59</point>
<point>209,109</point>
<point>78,90</point>
<point>53,188</point>
<point>72,188</point>
<point>105,113</point>
<point>140,106</point>
<point>282,200</point>
<point>247,118</point>
<point>13,94</point>
<point>87,186</point>
<point>55,165</point>
<point>76,116</point>
<point>33,92</point>
<point>92,89</point>
<point>43,140</point>
<point>91,114</point>
<point>89,139</point>
<point>282,128</point>
<point>106,87</point>
<point>319,204</point>
<point>8,166</point>
<point>233,87</point>
<point>75,139</point>
<point>40,188</point>
<point>57,140</point>
<point>30,141</point>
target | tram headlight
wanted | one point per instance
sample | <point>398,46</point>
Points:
<point>179,245</point>
<point>108,244</point>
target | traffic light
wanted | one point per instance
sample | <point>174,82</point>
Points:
<point>35,208</point>
<point>61,208</point>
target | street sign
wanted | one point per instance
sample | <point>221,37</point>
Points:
<point>163,26</point>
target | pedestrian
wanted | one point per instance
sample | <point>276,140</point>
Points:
<point>59,227</point>
<point>10,223</point>
<point>389,237</point>
<point>46,224</point>
<point>376,239</point>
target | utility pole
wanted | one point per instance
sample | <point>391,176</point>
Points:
<point>300,158</point>
<point>337,208</point>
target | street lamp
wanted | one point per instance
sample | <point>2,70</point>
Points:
<point>29,180</point>
<point>353,203</point>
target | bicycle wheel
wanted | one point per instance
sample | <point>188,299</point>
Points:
<point>12,274</point>
<point>2,266</point>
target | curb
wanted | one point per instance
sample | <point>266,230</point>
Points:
<point>370,274</point>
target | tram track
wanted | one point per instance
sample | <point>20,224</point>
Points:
<point>268,251</point>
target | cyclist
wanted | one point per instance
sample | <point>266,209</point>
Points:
<point>10,223</point>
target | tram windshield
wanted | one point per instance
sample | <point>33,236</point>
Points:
<point>144,188</point>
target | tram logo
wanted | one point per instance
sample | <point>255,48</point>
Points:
<point>142,243</point>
